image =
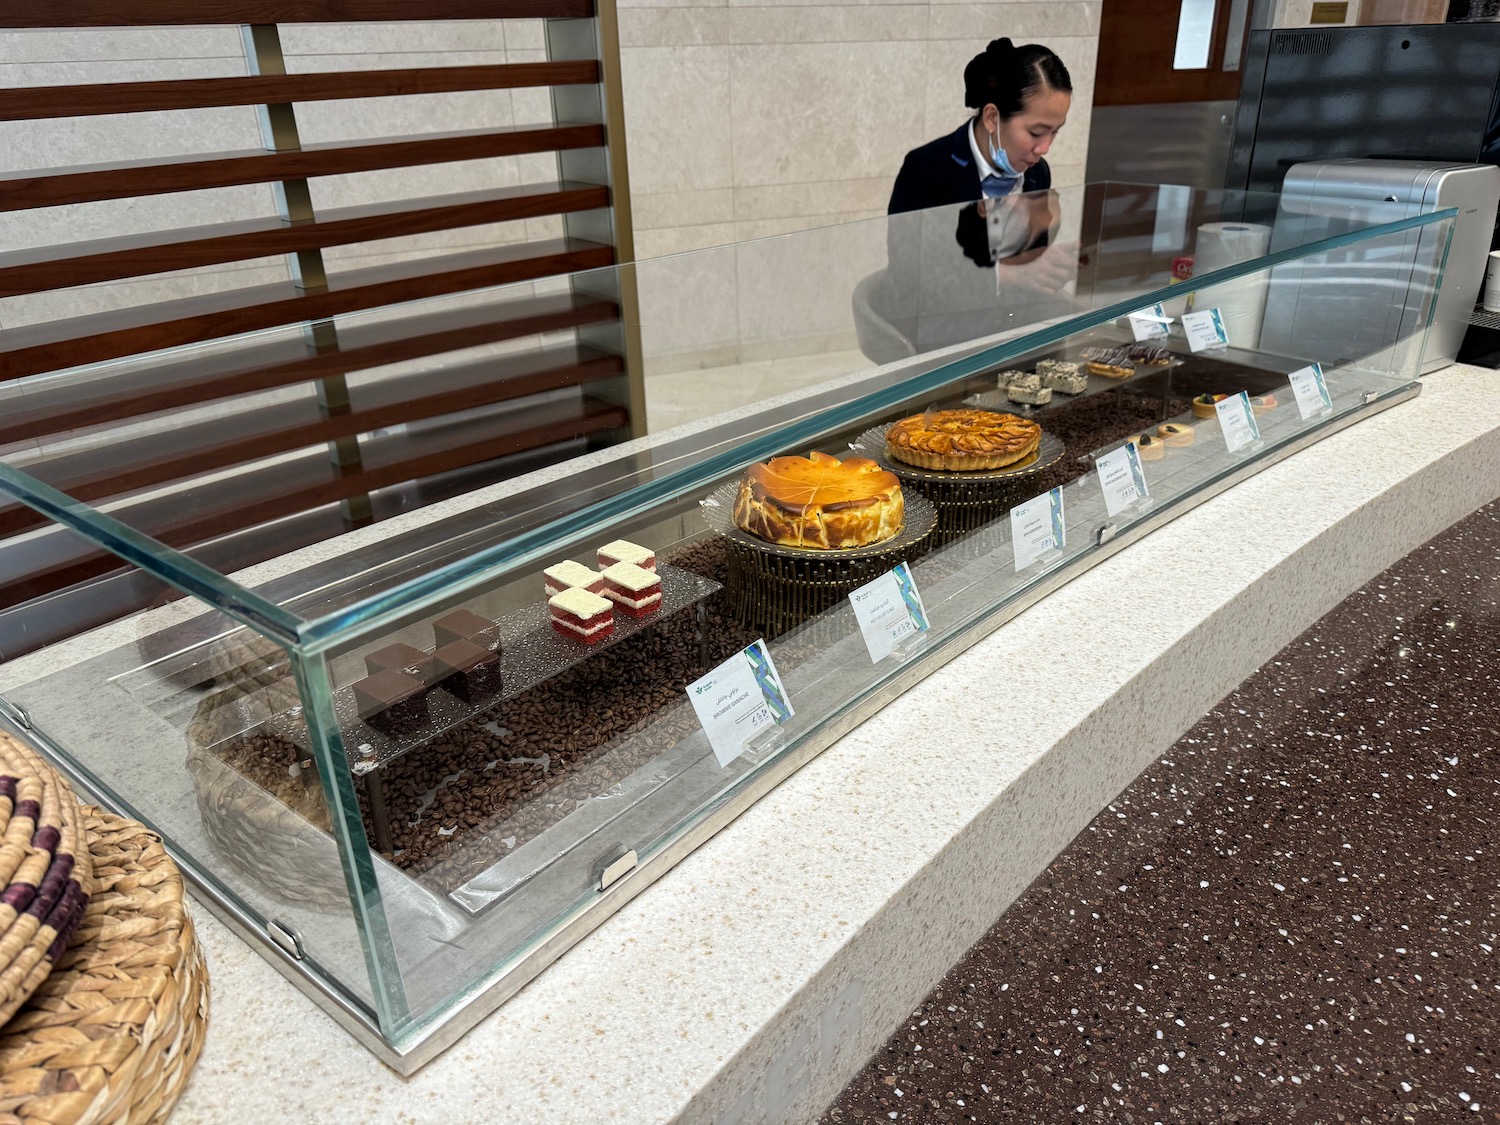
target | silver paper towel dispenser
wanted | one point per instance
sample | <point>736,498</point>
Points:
<point>1358,303</point>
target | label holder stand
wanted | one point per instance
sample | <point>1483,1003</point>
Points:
<point>1042,564</point>
<point>911,645</point>
<point>763,744</point>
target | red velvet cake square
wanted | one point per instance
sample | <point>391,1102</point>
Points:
<point>634,589</point>
<point>581,615</point>
<point>571,575</point>
<point>622,550</point>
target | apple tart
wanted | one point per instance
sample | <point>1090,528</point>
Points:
<point>962,440</point>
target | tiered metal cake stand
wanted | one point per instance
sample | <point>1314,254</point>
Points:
<point>965,501</point>
<point>776,588</point>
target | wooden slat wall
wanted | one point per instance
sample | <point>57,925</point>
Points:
<point>196,13</point>
<point>268,89</point>
<point>60,187</point>
<point>134,425</point>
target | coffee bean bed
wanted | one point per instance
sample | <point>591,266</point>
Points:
<point>487,786</point>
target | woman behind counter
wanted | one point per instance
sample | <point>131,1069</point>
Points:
<point>1021,96</point>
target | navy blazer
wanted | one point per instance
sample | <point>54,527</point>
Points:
<point>943,171</point>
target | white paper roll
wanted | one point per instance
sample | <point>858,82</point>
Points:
<point>1491,300</point>
<point>1242,303</point>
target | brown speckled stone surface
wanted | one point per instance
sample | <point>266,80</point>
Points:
<point>1291,917</point>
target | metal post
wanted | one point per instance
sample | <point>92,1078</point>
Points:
<point>278,123</point>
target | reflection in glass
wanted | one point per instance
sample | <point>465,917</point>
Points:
<point>422,793</point>
<point>1195,34</point>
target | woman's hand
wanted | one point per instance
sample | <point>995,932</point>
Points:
<point>1044,270</point>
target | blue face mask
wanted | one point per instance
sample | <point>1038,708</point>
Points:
<point>1001,161</point>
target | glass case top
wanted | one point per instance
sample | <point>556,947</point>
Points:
<point>698,364</point>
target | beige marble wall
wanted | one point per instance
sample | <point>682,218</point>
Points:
<point>746,118</point>
<point>749,119</point>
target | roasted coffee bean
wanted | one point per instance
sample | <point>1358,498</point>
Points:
<point>595,723</point>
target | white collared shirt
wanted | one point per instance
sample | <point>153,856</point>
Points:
<point>987,169</point>
<point>1007,226</point>
<point>981,160</point>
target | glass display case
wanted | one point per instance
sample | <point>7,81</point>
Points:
<point>417,761</point>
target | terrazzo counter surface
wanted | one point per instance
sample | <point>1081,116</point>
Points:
<point>756,978</point>
<point>1291,916</point>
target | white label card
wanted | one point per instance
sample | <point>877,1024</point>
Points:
<point>1205,330</point>
<point>1037,528</point>
<point>1311,391</point>
<point>738,700</point>
<point>1121,478</point>
<point>1237,421</point>
<point>888,610</point>
<point>1150,325</point>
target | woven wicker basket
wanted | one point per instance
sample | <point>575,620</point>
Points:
<point>281,853</point>
<point>45,871</point>
<point>113,1033</point>
<point>279,848</point>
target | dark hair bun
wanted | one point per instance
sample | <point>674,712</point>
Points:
<point>1005,75</point>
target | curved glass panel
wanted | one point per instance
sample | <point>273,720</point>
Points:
<point>884,309</point>
<point>389,750</point>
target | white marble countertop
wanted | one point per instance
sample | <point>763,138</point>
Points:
<point>751,981</point>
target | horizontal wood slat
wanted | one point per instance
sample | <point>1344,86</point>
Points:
<point>298,486</point>
<point>157,13</point>
<point>199,467</point>
<point>55,187</point>
<point>87,263</point>
<point>265,431</point>
<point>263,367</point>
<point>35,103</point>
<point>53,346</point>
